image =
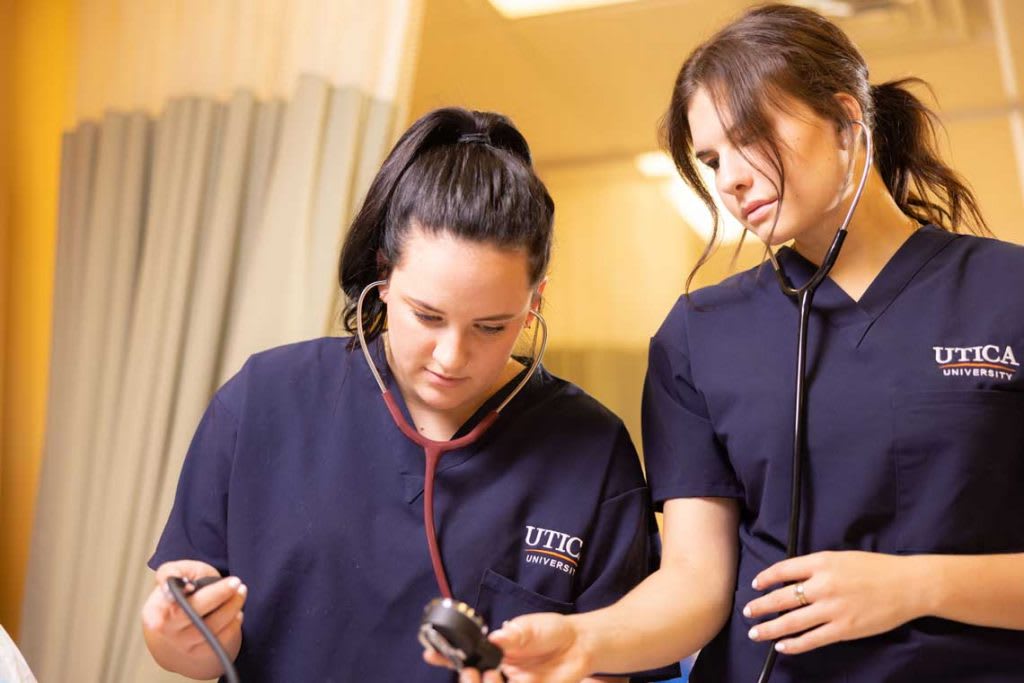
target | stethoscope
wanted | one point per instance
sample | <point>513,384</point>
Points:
<point>804,296</point>
<point>450,627</point>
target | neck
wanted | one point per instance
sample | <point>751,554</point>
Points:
<point>877,231</point>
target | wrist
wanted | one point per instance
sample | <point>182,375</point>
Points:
<point>586,643</point>
<point>925,584</point>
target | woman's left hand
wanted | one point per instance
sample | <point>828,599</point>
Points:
<point>846,595</point>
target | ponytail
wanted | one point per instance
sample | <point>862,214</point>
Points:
<point>464,172</point>
<point>906,156</point>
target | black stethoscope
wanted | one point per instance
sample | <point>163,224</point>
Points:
<point>804,296</point>
<point>449,627</point>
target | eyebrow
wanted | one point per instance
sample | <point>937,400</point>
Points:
<point>501,317</point>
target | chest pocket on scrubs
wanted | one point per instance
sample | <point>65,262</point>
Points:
<point>960,471</point>
<point>502,599</point>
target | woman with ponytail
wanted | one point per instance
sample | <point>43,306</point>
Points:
<point>907,561</point>
<point>302,489</point>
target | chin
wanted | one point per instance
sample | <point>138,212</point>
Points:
<point>781,235</point>
<point>440,400</point>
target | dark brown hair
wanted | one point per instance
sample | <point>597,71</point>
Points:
<point>774,53</point>
<point>456,171</point>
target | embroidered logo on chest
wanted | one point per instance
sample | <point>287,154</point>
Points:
<point>555,549</point>
<point>988,360</point>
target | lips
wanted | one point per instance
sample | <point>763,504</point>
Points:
<point>444,380</point>
<point>757,210</point>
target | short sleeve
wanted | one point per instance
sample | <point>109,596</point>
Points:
<point>623,547</point>
<point>683,455</point>
<point>197,526</point>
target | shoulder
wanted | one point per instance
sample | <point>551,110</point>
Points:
<point>568,404</point>
<point>562,412</point>
<point>592,442</point>
<point>300,372</point>
<point>984,251</point>
<point>733,298</point>
<point>300,358</point>
<point>983,270</point>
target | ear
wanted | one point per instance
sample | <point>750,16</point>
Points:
<point>848,133</point>
<point>537,298</point>
<point>382,291</point>
<point>538,295</point>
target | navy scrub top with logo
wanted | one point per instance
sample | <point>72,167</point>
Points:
<point>915,438</point>
<point>299,483</point>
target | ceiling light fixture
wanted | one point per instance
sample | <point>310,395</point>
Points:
<point>519,9</point>
<point>842,9</point>
<point>659,167</point>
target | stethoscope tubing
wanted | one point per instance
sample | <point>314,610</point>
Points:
<point>433,450</point>
<point>805,296</point>
<point>176,589</point>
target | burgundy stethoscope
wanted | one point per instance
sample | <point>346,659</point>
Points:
<point>450,627</point>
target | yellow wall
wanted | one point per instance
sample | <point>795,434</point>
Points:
<point>622,253</point>
<point>6,93</point>
<point>36,45</point>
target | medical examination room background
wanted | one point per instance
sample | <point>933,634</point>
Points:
<point>175,177</point>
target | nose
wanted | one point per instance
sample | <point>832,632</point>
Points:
<point>735,174</point>
<point>451,352</point>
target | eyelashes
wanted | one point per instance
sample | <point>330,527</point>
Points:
<point>427,317</point>
<point>432,320</point>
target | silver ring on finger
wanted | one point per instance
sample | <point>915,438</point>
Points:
<point>801,597</point>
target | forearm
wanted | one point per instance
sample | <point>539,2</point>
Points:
<point>669,616</point>
<point>983,590</point>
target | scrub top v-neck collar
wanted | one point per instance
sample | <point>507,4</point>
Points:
<point>840,309</point>
<point>410,456</point>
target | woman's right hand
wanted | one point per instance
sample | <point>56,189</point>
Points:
<point>174,641</point>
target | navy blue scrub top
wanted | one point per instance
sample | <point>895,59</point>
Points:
<point>915,438</point>
<point>299,483</point>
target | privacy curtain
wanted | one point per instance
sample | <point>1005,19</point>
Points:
<point>188,240</point>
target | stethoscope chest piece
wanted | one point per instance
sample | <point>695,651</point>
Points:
<point>452,629</point>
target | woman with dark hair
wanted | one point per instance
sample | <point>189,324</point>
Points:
<point>303,487</point>
<point>907,561</point>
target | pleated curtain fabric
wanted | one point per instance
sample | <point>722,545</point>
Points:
<point>185,244</point>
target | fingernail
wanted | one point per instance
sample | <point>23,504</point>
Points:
<point>234,582</point>
<point>746,611</point>
<point>780,647</point>
<point>753,584</point>
<point>241,616</point>
<point>752,634</point>
<point>464,677</point>
<point>243,589</point>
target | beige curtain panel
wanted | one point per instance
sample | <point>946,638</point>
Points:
<point>186,242</point>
